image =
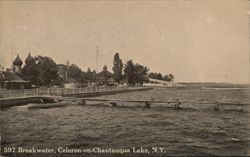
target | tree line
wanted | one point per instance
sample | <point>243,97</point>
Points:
<point>159,76</point>
<point>132,73</point>
<point>135,73</point>
<point>43,71</point>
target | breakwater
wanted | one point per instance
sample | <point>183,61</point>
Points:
<point>108,92</point>
<point>9,102</point>
<point>25,99</point>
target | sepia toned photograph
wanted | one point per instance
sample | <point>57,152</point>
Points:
<point>129,78</point>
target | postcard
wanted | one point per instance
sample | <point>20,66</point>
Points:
<point>124,78</point>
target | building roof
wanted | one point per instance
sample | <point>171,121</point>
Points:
<point>165,83</point>
<point>61,68</point>
<point>158,81</point>
<point>18,61</point>
<point>29,58</point>
<point>8,76</point>
<point>104,74</point>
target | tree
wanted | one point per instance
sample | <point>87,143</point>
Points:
<point>1,75</point>
<point>30,71</point>
<point>105,73</point>
<point>129,72</point>
<point>159,76</point>
<point>40,71</point>
<point>75,72</point>
<point>47,70</point>
<point>166,78</point>
<point>152,75</point>
<point>171,76</point>
<point>117,68</point>
<point>141,73</point>
<point>135,73</point>
<point>89,76</point>
<point>93,76</point>
<point>156,76</point>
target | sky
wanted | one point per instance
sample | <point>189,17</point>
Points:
<point>197,41</point>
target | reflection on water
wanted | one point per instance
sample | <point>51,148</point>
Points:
<point>197,130</point>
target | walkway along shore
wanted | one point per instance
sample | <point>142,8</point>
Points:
<point>9,98</point>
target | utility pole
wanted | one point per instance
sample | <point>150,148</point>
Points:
<point>97,57</point>
<point>12,58</point>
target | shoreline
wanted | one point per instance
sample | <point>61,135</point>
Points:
<point>19,101</point>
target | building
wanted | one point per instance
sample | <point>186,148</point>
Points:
<point>62,71</point>
<point>161,83</point>
<point>67,80</point>
<point>11,80</point>
<point>29,59</point>
<point>105,77</point>
<point>17,65</point>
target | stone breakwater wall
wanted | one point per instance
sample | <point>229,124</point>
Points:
<point>9,102</point>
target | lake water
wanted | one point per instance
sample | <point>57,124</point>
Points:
<point>194,130</point>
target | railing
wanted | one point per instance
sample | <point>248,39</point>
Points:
<point>59,91</point>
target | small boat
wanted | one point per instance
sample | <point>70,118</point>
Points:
<point>235,140</point>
